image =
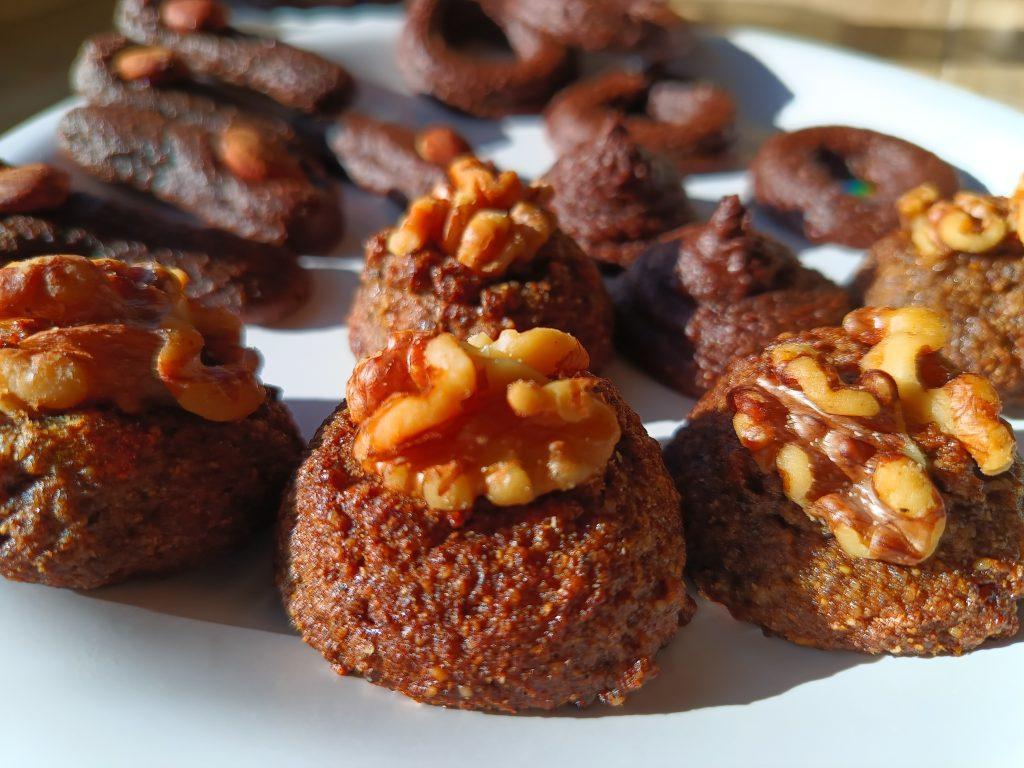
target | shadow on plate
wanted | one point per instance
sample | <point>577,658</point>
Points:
<point>334,286</point>
<point>236,589</point>
<point>310,414</point>
<point>716,661</point>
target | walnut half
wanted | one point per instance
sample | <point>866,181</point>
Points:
<point>844,449</point>
<point>484,219</point>
<point>449,421</point>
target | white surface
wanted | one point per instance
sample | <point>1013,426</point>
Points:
<point>202,669</point>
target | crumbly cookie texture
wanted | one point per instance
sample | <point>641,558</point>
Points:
<point>970,222</point>
<point>507,419</point>
<point>485,219</point>
<point>845,450</point>
<point>76,332</point>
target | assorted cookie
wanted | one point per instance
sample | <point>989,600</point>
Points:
<point>198,34</point>
<point>475,514</point>
<point>391,159</point>
<point>615,198</point>
<point>481,254</point>
<point>40,215</point>
<point>136,435</point>
<point>237,178</point>
<point>850,488</point>
<point>963,256</point>
<point>690,123</point>
<point>454,51</point>
<point>838,184</point>
<point>714,292</point>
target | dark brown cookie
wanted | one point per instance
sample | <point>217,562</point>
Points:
<point>238,178</point>
<point>198,33</point>
<point>839,184</point>
<point>391,159</point>
<point>441,53</point>
<point>111,70</point>
<point>690,123</point>
<point>593,25</point>
<point>974,276</point>
<point>615,198</point>
<point>712,293</point>
<point>262,283</point>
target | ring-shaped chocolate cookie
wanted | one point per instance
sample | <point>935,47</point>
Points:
<point>840,184</point>
<point>440,55</point>
<point>691,123</point>
<point>620,25</point>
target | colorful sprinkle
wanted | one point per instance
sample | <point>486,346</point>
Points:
<point>858,188</point>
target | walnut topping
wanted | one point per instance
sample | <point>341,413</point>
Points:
<point>969,223</point>
<point>76,332</point>
<point>484,219</point>
<point>844,448</point>
<point>450,421</point>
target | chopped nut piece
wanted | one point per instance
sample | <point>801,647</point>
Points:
<point>151,63</point>
<point>31,188</point>
<point>186,16</point>
<point>845,451</point>
<point>79,332</point>
<point>485,220</point>
<point>450,421</point>
<point>252,156</point>
<point>440,145</point>
<point>969,223</point>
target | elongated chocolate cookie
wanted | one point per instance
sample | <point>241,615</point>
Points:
<point>237,178</point>
<point>198,33</point>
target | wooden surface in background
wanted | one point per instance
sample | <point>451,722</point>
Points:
<point>977,44</point>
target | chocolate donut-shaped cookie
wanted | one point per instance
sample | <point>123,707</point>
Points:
<point>440,56</point>
<point>840,184</point>
<point>691,123</point>
<point>593,25</point>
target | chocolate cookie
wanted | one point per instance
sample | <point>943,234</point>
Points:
<point>391,159</point>
<point>615,198</point>
<point>593,25</point>
<point>712,293</point>
<point>111,70</point>
<point>236,178</point>
<point>197,32</point>
<point>691,123</point>
<point>965,258</point>
<point>847,488</point>
<point>454,51</point>
<point>263,283</point>
<point>839,184</point>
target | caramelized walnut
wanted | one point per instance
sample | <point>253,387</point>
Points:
<point>969,223</point>
<point>77,332</point>
<point>486,220</point>
<point>844,448</point>
<point>509,419</point>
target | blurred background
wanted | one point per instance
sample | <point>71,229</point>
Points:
<point>977,44</point>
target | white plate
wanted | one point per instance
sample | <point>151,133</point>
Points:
<point>202,669</point>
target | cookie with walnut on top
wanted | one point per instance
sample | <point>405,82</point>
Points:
<point>850,488</point>
<point>482,253</point>
<point>963,256</point>
<point>485,525</point>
